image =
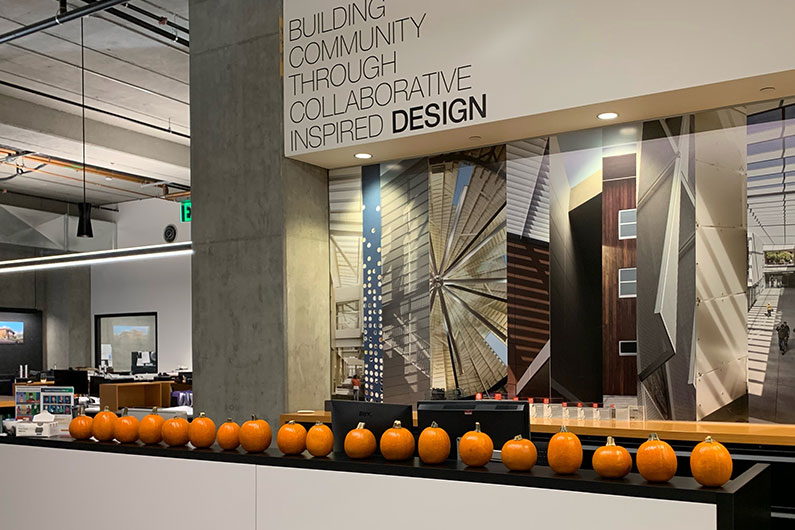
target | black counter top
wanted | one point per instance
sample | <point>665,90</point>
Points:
<point>679,488</point>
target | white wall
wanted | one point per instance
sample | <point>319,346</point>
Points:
<point>162,285</point>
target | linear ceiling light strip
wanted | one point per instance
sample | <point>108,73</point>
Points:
<point>95,257</point>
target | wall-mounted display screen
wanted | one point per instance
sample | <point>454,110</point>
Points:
<point>12,332</point>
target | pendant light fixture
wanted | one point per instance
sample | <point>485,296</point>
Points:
<point>84,228</point>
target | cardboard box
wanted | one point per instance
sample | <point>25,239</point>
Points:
<point>38,429</point>
<point>43,425</point>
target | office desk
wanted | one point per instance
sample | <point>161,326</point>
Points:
<point>146,394</point>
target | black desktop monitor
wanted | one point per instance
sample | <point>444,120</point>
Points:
<point>501,420</point>
<point>378,417</point>
<point>143,362</point>
<point>74,378</point>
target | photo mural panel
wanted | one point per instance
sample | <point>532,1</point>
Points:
<point>528,267</point>
<point>666,269</point>
<point>406,273</point>
<point>770,140</point>
<point>469,324</point>
<point>385,278</point>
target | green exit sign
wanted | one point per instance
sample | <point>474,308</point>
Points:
<point>185,212</point>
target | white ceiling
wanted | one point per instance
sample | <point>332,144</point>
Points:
<point>137,80</point>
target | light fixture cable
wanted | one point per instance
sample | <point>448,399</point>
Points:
<point>83,102</point>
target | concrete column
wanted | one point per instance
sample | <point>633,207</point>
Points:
<point>260,226</point>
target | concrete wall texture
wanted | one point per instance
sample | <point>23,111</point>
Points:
<point>260,229</point>
<point>63,295</point>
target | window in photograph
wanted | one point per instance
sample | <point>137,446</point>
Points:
<point>627,283</point>
<point>627,224</point>
<point>627,348</point>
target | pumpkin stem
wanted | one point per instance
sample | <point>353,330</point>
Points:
<point>318,423</point>
<point>563,428</point>
<point>107,407</point>
<point>291,422</point>
<point>124,411</point>
<point>709,439</point>
<point>518,437</point>
<point>361,425</point>
<point>228,420</point>
<point>201,415</point>
<point>434,425</point>
<point>253,417</point>
<point>610,441</point>
<point>653,436</point>
<point>477,426</point>
<point>154,410</point>
<point>396,425</point>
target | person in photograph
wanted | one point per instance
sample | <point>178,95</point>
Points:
<point>356,385</point>
<point>783,336</point>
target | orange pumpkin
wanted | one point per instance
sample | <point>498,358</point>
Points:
<point>359,442</point>
<point>175,432</point>
<point>476,447</point>
<point>397,443</point>
<point>711,463</point>
<point>201,432</point>
<point>103,425</point>
<point>255,435</point>
<point>291,438</point>
<point>126,428</point>
<point>319,440</point>
<point>150,428</point>
<point>611,460</point>
<point>519,454</point>
<point>433,445</point>
<point>229,435</point>
<point>564,452</point>
<point>656,460</point>
<point>80,426</point>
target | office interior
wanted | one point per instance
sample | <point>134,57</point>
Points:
<point>616,266</point>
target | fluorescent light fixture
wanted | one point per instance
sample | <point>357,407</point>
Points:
<point>363,156</point>
<point>607,115</point>
<point>79,259</point>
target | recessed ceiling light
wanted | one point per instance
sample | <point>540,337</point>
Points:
<point>607,115</point>
<point>767,89</point>
<point>363,156</point>
<point>108,178</point>
<point>475,137</point>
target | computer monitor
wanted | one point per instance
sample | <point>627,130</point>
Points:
<point>501,420</point>
<point>143,362</point>
<point>378,417</point>
<point>74,378</point>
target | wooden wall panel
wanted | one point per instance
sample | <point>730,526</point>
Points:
<point>528,308</point>
<point>619,374</point>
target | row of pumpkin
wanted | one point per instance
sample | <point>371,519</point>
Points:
<point>710,461</point>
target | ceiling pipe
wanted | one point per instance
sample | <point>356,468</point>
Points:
<point>48,23</point>
<point>142,24</point>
